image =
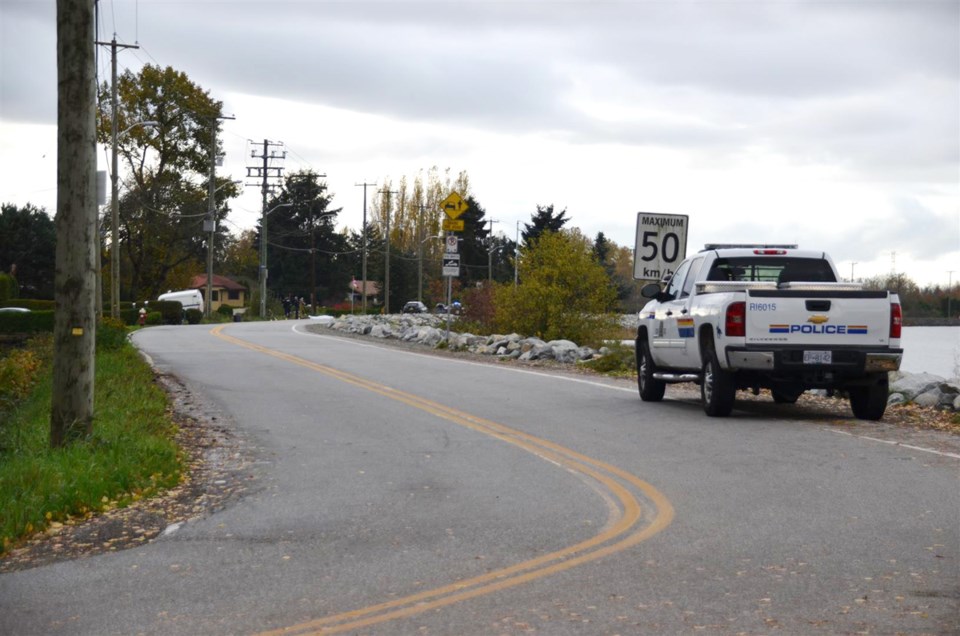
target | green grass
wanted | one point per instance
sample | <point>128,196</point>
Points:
<point>130,455</point>
<point>620,362</point>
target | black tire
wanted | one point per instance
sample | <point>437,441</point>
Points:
<point>717,388</point>
<point>651,389</point>
<point>786,395</point>
<point>869,402</point>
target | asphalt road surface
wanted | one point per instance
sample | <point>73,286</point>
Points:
<point>402,493</point>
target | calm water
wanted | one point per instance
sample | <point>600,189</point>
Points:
<point>933,350</point>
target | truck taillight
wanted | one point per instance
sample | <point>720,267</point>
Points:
<point>896,320</point>
<point>769,252</point>
<point>736,322</point>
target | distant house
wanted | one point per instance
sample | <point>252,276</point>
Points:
<point>224,291</point>
<point>360,288</point>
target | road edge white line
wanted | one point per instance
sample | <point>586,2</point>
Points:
<point>455,360</point>
<point>893,443</point>
<point>295,329</point>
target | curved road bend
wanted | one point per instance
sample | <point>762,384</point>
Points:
<point>401,493</point>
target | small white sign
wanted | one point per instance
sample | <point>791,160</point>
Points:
<point>452,244</point>
<point>451,265</point>
<point>661,245</point>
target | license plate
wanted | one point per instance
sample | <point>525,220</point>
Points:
<point>818,357</point>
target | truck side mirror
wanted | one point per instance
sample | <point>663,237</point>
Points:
<point>650,290</point>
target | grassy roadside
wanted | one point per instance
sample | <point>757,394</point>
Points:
<point>130,455</point>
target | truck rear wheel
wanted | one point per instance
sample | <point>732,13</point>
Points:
<point>869,402</point>
<point>717,388</point>
<point>651,389</point>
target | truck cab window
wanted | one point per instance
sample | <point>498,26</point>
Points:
<point>691,277</point>
<point>673,289</point>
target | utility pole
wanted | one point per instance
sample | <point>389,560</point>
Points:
<point>71,413</point>
<point>265,173</point>
<point>490,252</point>
<point>386,274</point>
<point>852,265</point>
<point>420,253</point>
<point>949,293</point>
<point>210,222</point>
<point>516,257</point>
<point>313,253</point>
<point>115,187</point>
<point>363,248</point>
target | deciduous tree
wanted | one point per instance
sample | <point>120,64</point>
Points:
<point>167,165</point>
<point>564,292</point>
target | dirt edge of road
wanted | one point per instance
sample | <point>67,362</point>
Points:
<point>218,469</point>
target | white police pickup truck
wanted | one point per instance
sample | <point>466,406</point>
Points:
<point>751,317</point>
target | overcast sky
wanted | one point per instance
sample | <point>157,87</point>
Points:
<point>835,125</point>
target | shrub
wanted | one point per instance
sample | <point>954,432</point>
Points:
<point>8,287</point>
<point>563,293</point>
<point>225,310</point>
<point>154,318</point>
<point>130,316</point>
<point>32,322</point>
<point>111,334</point>
<point>479,309</point>
<point>31,303</point>
<point>171,310</point>
<point>17,375</point>
<point>20,369</point>
<point>194,316</point>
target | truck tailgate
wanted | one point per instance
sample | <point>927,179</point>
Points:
<point>818,318</point>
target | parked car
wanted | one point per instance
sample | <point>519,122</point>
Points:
<point>19,310</point>
<point>415,307</point>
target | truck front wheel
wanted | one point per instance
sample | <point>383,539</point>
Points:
<point>717,388</point>
<point>651,389</point>
<point>869,402</point>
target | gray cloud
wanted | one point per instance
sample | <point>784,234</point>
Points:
<point>871,89</point>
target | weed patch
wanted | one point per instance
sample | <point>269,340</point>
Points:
<point>620,361</point>
<point>130,455</point>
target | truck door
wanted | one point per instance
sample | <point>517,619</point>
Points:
<point>673,326</point>
<point>686,327</point>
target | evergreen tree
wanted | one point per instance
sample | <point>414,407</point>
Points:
<point>545,220</point>
<point>28,240</point>
<point>302,244</point>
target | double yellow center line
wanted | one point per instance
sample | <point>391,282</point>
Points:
<point>627,527</point>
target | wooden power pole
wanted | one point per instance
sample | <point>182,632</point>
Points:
<point>71,416</point>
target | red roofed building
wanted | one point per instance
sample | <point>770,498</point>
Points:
<point>225,291</point>
<point>369,288</point>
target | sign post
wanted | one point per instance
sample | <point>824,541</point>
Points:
<point>661,245</point>
<point>453,207</point>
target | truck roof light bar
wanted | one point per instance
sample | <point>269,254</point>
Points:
<point>727,246</point>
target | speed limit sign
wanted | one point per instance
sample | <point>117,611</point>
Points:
<point>661,245</point>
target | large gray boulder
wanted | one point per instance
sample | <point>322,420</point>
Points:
<point>911,385</point>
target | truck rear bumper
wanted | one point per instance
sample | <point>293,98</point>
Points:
<point>789,361</point>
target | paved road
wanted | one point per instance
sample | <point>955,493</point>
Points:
<point>400,493</point>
